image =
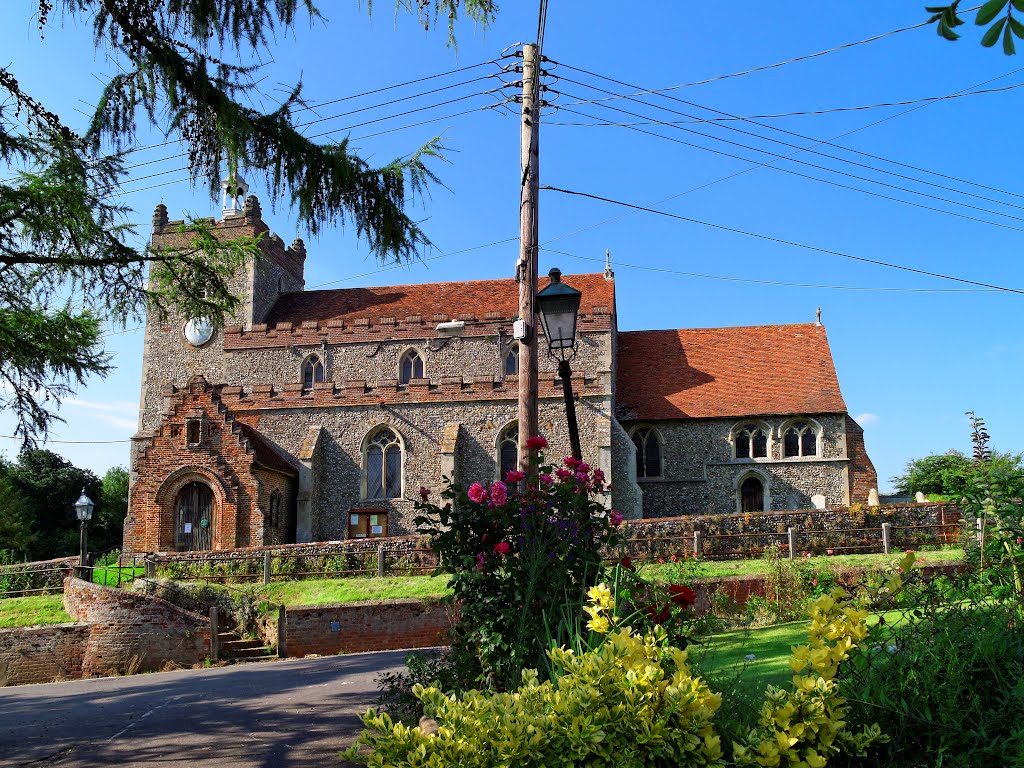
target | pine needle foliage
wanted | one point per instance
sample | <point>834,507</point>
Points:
<point>67,263</point>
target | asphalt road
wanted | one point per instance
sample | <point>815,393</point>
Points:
<point>291,713</point>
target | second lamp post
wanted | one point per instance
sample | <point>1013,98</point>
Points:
<point>559,305</point>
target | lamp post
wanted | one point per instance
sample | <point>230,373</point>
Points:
<point>559,305</point>
<point>83,511</point>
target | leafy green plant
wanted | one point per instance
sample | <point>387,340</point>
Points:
<point>515,551</point>
<point>632,701</point>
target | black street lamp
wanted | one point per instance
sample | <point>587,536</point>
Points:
<point>83,511</point>
<point>559,305</point>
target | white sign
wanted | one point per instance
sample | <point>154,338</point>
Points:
<point>188,527</point>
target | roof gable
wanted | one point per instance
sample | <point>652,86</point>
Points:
<point>726,372</point>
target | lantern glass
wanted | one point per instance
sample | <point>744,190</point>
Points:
<point>84,507</point>
<point>559,306</point>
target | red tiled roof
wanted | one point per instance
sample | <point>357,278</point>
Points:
<point>726,372</point>
<point>470,297</point>
<point>266,454</point>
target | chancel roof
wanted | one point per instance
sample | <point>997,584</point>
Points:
<point>726,372</point>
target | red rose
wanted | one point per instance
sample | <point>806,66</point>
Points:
<point>628,564</point>
<point>681,595</point>
<point>502,548</point>
<point>536,443</point>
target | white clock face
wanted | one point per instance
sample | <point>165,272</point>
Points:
<point>198,331</point>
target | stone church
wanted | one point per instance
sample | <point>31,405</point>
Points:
<point>318,415</point>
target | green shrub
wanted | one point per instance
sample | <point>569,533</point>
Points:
<point>631,702</point>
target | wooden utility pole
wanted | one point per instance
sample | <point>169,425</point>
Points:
<point>526,269</point>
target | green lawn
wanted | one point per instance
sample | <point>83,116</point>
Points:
<point>319,591</point>
<point>32,610</point>
<point>114,577</point>
<point>716,568</point>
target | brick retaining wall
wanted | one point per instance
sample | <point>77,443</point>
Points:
<point>369,625</point>
<point>132,632</point>
<point>42,654</point>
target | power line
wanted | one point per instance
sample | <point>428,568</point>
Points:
<point>830,181</point>
<point>796,59</point>
<point>799,148</point>
<point>965,91</point>
<point>781,241</point>
<point>775,115</point>
<point>773,283</point>
<point>844,134</point>
<point>70,442</point>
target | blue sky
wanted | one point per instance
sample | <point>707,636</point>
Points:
<point>910,361</point>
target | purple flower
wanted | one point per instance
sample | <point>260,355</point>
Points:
<point>424,493</point>
<point>480,560</point>
<point>546,479</point>
<point>616,519</point>
<point>477,493</point>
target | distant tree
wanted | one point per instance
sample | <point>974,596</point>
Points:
<point>111,510</point>
<point>952,474</point>
<point>187,68</point>
<point>1005,26</point>
<point>48,485</point>
<point>16,533</point>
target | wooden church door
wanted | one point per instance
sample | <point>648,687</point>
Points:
<point>194,513</point>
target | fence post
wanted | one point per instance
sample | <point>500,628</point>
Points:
<point>698,543</point>
<point>214,635</point>
<point>886,537</point>
<point>150,568</point>
<point>380,561</point>
<point>266,567</point>
<point>977,525</point>
<point>791,533</point>
<point>282,632</point>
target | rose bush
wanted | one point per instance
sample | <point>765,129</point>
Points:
<point>518,551</point>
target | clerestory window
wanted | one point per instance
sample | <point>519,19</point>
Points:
<point>411,367</point>
<point>383,466</point>
<point>800,439</point>
<point>648,452</point>
<point>750,441</point>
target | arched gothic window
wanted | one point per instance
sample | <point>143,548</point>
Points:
<point>751,442</point>
<point>648,452</point>
<point>411,367</point>
<point>752,495</point>
<point>312,372</point>
<point>800,439</point>
<point>512,360</point>
<point>508,450</point>
<point>383,464</point>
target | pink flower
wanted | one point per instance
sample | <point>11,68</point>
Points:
<point>547,479</point>
<point>563,473</point>
<point>499,493</point>
<point>514,476</point>
<point>829,552</point>
<point>480,560</point>
<point>598,476</point>
<point>583,467</point>
<point>615,519</point>
<point>502,548</point>
<point>424,492</point>
<point>477,493</point>
<point>814,582</point>
<point>583,477</point>
<point>569,461</point>
<point>536,443</point>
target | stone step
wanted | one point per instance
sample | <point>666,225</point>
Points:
<point>243,654</point>
<point>241,645</point>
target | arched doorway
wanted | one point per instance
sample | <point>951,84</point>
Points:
<point>752,495</point>
<point>193,514</point>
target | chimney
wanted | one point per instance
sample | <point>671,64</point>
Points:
<point>159,218</point>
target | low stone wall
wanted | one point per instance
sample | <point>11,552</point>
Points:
<point>402,554</point>
<point>132,632</point>
<point>37,577</point>
<point>370,625</point>
<point>42,654</point>
<point>739,589</point>
<point>847,528</point>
